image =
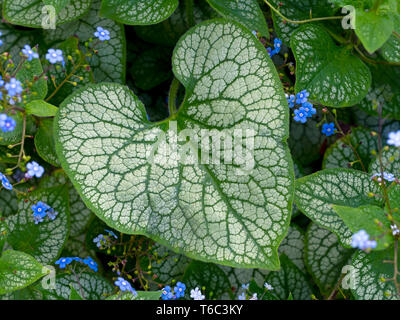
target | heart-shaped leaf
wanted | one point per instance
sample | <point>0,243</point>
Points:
<point>138,12</point>
<point>213,212</point>
<point>18,270</point>
<point>34,14</point>
<point>44,241</point>
<point>246,12</point>
<point>316,193</point>
<point>332,75</point>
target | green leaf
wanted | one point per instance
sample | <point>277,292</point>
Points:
<point>91,286</point>
<point>32,13</point>
<point>316,193</point>
<point>325,257</point>
<point>289,281</point>
<point>41,108</point>
<point>3,232</point>
<point>370,268</point>
<point>332,75</point>
<point>297,10</point>
<point>293,246</point>
<point>80,215</point>
<point>27,73</point>
<point>109,63</point>
<point>74,295</point>
<point>390,161</point>
<point>391,49</point>
<point>364,217</point>
<point>246,12</point>
<point>138,12</point>
<point>8,203</point>
<point>373,29</point>
<point>57,4</point>
<point>208,276</point>
<point>44,142</point>
<point>342,155</point>
<point>18,270</point>
<point>44,241</point>
<point>384,92</point>
<point>218,214</point>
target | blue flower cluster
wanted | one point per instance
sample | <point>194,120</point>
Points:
<point>277,48</point>
<point>178,292</point>
<point>102,34</point>
<point>124,285</point>
<point>306,109</point>
<point>104,241</point>
<point>7,124</point>
<point>5,183</point>
<point>41,210</point>
<point>29,53</point>
<point>14,90</point>
<point>328,129</point>
<point>34,170</point>
<point>390,177</point>
<point>64,261</point>
<point>361,241</point>
<point>54,56</point>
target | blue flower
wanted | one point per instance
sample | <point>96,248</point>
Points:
<point>328,129</point>
<point>308,107</point>
<point>13,87</point>
<point>90,263</point>
<point>394,139</point>
<point>246,286</point>
<point>277,45</point>
<point>123,284</point>
<point>5,183</point>
<point>27,51</point>
<point>7,124</point>
<point>1,81</point>
<point>63,262</point>
<point>99,240</point>
<point>166,293</point>
<point>390,177</point>
<point>111,233</point>
<point>302,97</point>
<point>242,296</point>
<point>180,289</point>
<point>51,214</point>
<point>39,209</point>
<point>269,50</point>
<point>102,34</point>
<point>291,100</point>
<point>300,115</point>
<point>361,241</point>
<point>268,286</point>
<point>54,56</point>
<point>34,169</point>
<point>37,219</point>
<point>77,259</point>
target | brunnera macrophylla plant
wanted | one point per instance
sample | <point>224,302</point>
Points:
<point>200,149</point>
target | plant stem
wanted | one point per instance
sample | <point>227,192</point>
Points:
<point>300,21</point>
<point>173,92</point>
<point>63,82</point>
<point>189,12</point>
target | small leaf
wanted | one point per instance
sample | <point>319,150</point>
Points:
<point>18,270</point>
<point>246,12</point>
<point>41,108</point>
<point>364,217</point>
<point>316,193</point>
<point>332,75</point>
<point>44,142</point>
<point>138,12</point>
<point>44,241</point>
<point>74,295</point>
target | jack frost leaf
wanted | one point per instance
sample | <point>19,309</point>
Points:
<point>297,10</point>
<point>18,270</point>
<point>293,246</point>
<point>316,193</point>
<point>213,212</point>
<point>369,270</point>
<point>109,63</point>
<point>332,75</point>
<point>289,281</point>
<point>390,160</point>
<point>340,154</point>
<point>138,12</point>
<point>91,286</point>
<point>391,49</point>
<point>325,257</point>
<point>246,12</point>
<point>30,13</point>
<point>44,241</point>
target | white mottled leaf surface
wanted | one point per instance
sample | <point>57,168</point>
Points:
<point>206,211</point>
